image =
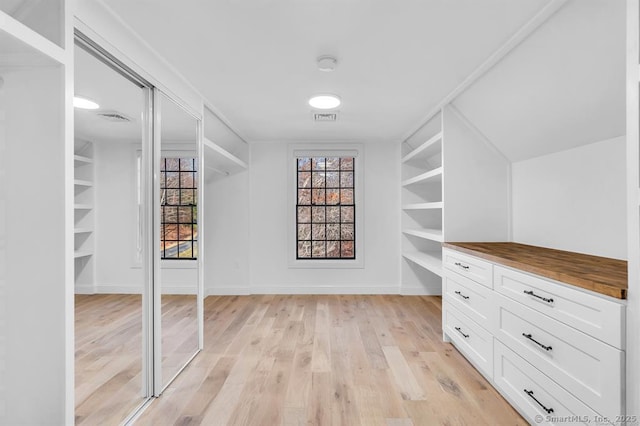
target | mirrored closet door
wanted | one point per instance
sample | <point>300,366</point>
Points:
<point>178,180</point>
<point>138,304</point>
<point>112,267</point>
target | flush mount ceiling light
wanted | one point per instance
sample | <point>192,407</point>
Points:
<point>84,103</point>
<point>324,101</point>
<point>327,63</point>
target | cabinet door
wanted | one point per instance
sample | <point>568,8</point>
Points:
<point>470,267</point>
<point>536,396</point>
<point>596,316</point>
<point>475,342</point>
<point>586,367</point>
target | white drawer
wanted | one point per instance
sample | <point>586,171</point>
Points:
<point>596,316</point>
<point>472,299</point>
<point>471,267</point>
<point>472,340</point>
<point>536,397</point>
<point>588,368</point>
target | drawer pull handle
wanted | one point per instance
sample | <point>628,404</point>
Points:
<point>530,393</point>
<point>461,295</point>
<point>461,265</point>
<point>528,336</point>
<point>544,299</point>
<point>466,336</point>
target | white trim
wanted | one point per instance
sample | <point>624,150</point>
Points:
<point>326,289</point>
<point>132,289</point>
<point>228,291</point>
<point>355,150</point>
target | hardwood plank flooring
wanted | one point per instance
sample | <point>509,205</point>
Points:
<point>108,356</point>
<point>328,360</point>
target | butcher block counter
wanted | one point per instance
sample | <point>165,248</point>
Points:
<point>599,274</point>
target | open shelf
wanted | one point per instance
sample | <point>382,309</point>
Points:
<point>431,261</point>
<point>20,46</point>
<point>434,175</point>
<point>80,160</point>
<point>80,254</point>
<point>81,182</point>
<point>428,149</point>
<point>82,206</point>
<point>219,159</point>
<point>82,230</point>
<point>426,233</point>
<point>423,206</point>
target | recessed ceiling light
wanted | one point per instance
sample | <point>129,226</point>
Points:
<point>324,101</point>
<point>84,103</point>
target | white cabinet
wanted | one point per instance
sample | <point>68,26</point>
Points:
<point>556,350</point>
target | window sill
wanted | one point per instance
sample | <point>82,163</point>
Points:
<point>326,264</point>
<point>173,264</point>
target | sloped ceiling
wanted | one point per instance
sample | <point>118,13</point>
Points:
<point>562,87</point>
<point>255,60</point>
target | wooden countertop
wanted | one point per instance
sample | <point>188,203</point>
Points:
<point>600,274</point>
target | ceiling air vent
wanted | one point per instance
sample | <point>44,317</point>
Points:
<point>325,116</point>
<point>114,116</point>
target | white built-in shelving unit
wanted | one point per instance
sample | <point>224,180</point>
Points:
<point>422,210</point>
<point>225,153</point>
<point>220,162</point>
<point>83,231</point>
<point>454,188</point>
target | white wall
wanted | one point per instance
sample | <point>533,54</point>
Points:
<point>34,369</point>
<point>268,218</point>
<point>226,267</point>
<point>115,227</point>
<point>573,200</point>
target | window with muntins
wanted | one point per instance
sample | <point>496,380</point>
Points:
<point>179,209</point>
<point>325,208</point>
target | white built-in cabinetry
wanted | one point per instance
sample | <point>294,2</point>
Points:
<point>84,216</point>
<point>553,350</point>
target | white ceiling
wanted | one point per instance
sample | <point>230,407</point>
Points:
<point>115,93</point>
<point>255,60</point>
<point>562,87</point>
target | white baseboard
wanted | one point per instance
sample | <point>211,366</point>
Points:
<point>227,291</point>
<point>85,289</point>
<point>420,291</point>
<point>130,289</point>
<point>318,289</point>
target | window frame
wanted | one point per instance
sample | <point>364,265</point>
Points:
<point>194,242</point>
<point>299,150</point>
<point>169,263</point>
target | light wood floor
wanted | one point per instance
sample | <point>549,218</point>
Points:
<point>328,360</point>
<point>108,358</point>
